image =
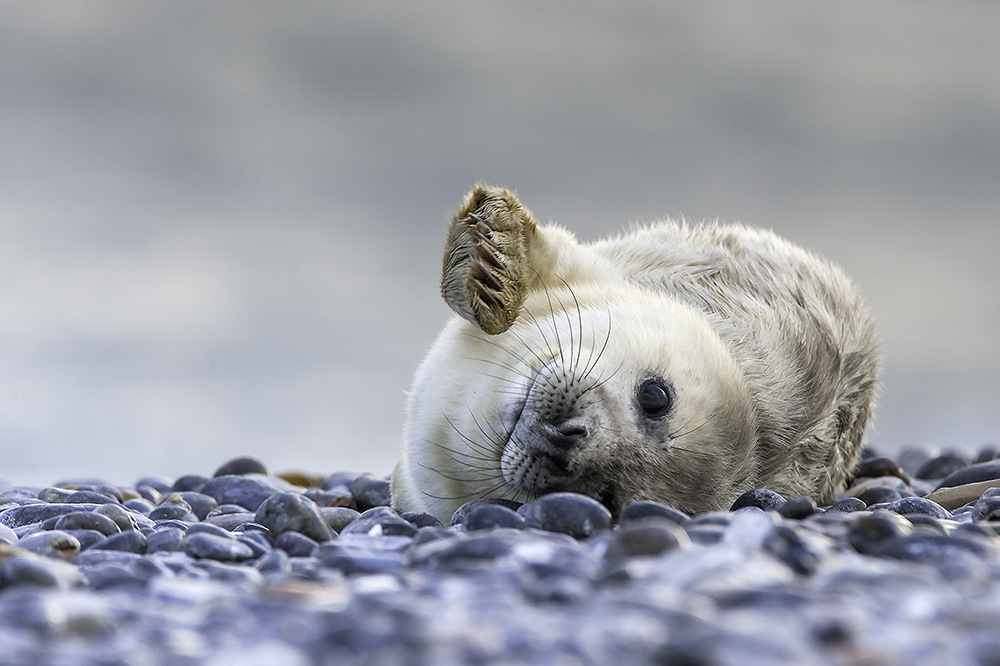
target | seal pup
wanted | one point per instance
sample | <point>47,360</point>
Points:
<point>673,363</point>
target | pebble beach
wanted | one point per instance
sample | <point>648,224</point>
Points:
<point>249,567</point>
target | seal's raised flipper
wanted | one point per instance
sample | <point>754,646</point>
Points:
<point>486,272</point>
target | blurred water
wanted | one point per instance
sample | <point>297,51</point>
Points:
<point>220,224</point>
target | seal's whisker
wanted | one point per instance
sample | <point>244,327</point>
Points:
<point>678,436</point>
<point>607,338</point>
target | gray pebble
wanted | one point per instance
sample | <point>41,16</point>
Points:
<point>295,544</point>
<point>122,517</point>
<point>577,515</point>
<point>89,520</point>
<point>189,482</point>
<point>797,508</point>
<point>644,509</point>
<point>847,505</point>
<point>762,498</point>
<point>338,517</point>
<point>646,537</point>
<point>36,513</point>
<point>54,495</point>
<point>490,516</point>
<point>247,490</point>
<point>291,512</point>
<point>380,521</point>
<point>88,497</point>
<point>210,546</point>
<point>274,562</point>
<point>984,471</point>
<point>39,572</point>
<point>941,466</point>
<point>240,466</point>
<point>129,542</point>
<point>200,504</point>
<point>170,539</point>
<point>919,505</point>
<point>54,544</point>
<point>160,484</point>
<point>370,492</point>
<point>258,543</point>
<point>208,528</point>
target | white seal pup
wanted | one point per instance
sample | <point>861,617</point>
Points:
<point>673,363</point>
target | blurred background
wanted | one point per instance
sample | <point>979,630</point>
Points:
<point>221,223</point>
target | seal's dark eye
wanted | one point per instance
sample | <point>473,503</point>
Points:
<point>654,398</point>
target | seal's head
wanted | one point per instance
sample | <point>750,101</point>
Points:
<point>619,393</point>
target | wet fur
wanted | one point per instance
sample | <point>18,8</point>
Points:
<point>769,350</point>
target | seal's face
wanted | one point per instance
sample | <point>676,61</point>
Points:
<point>621,396</point>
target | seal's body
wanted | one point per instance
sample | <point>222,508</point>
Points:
<point>678,364</point>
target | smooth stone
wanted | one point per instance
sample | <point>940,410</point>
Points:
<point>880,466</point>
<point>924,523</point>
<point>160,484</point>
<point>986,507</point>
<point>363,564</point>
<point>93,558</point>
<point>942,466</point>
<point>987,453</point>
<point>847,505</point>
<point>170,539</point>
<point>173,511</point>
<point>55,544</point>
<point>275,562</point>
<point>490,516</point>
<point>258,542</point>
<point>231,574</point>
<point>151,495</point>
<point>252,528</point>
<point>122,517</point>
<point>248,490</point>
<point>230,521</point>
<point>645,509</point>
<point>328,498</point>
<point>53,495</point>
<point>21,493</point>
<point>950,498</point>
<point>129,542</point>
<point>88,497</point>
<point>762,498</point>
<point>935,549</point>
<point>798,507</point>
<point>170,522</point>
<point>380,521</point>
<point>189,482</point>
<point>210,546</point>
<point>200,504</point>
<point>705,534</point>
<point>240,466</point>
<point>919,505</point>
<point>786,544</point>
<point>115,577</point>
<point>208,528</point>
<point>459,516</point>
<point>295,544</point>
<point>36,513</point>
<point>338,517</point>
<point>39,572</point>
<point>646,537</point>
<point>339,481</point>
<point>7,534</point>
<point>577,515</point>
<point>291,512</point>
<point>370,492</point>
<point>879,495</point>
<point>868,532</point>
<point>419,520</point>
<point>226,509</point>
<point>984,471</point>
<point>91,520</point>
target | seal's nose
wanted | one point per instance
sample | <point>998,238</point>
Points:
<point>563,440</point>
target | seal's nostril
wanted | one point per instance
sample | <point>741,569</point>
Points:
<point>574,431</point>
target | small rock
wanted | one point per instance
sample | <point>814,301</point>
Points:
<point>419,520</point>
<point>489,516</point>
<point>881,466</point>
<point>646,537</point>
<point>200,504</point>
<point>338,517</point>
<point>241,465</point>
<point>169,539</point>
<point>173,507</point>
<point>918,505</point>
<point>36,513</point>
<point>879,495</point>
<point>88,497</point>
<point>984,471</point>
<point>380,521</point>
<point>189,483</point>
<point>54,495</point>
<point>56,544</point>
<point>122,517</point>
<point>87,520</point>
<point>942,466</point>
<point>762,498</point>
<point>459,516</point>
<point>867,534</point>
<point>39,572</point>
<point>129,542</point>
<point>643,509</point>
<point>209,546</point>
<point>160,484</point>
<point>247,490</point>
<point>87,538</point>
<point>847,505</point>
<point>369,492</point>
<point>285,512</point>
<point>577,515</point>
<point>798,507</point>
<point>295,544</point>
